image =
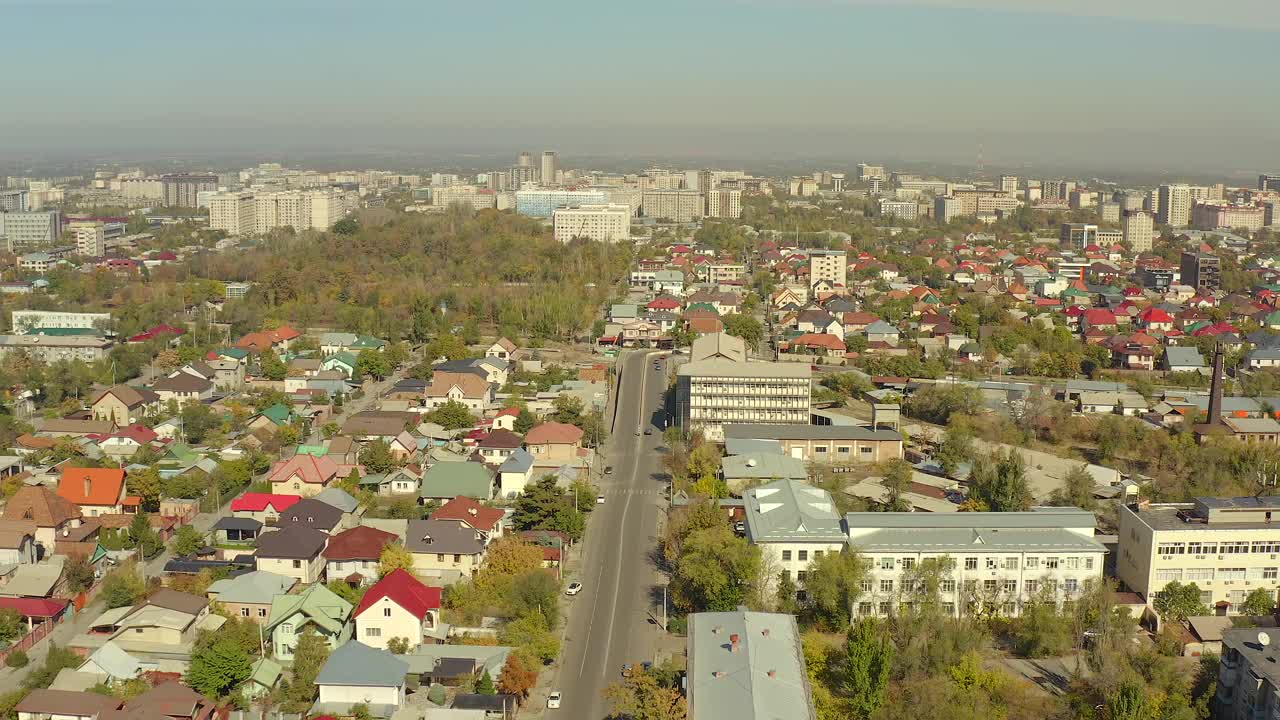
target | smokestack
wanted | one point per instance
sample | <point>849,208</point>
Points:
<point>1215,388</point>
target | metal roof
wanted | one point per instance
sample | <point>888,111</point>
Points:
<point>807,432</point>
<point>764,678</point>
<point>788,510</point>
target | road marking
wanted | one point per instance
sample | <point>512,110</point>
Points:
<point>586,644</point>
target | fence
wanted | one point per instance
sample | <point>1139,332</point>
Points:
<point>36,635</point>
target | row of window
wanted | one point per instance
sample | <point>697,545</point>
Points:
<point>948,587</point>
<point>1030,562</point>
<point>801,555</point>
<point>1208,574</point>
<point>1266,547</point>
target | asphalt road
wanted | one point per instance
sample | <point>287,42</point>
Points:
<point>611,620</point>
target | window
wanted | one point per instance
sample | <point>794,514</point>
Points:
<point>989,586</point>
<point>949,608</point>
<point>439,557</point>
<point>885,608</point>
<point>1073,563</point>
<point>820,449</point>
<point>1210,548</point>
<point>1010,563</point>
<point>1088,563</point>
<point>1031,586</point>
<point>842,449</point>
<point>297,564</point>
<point>1011,586</point>
<point>373,632</point>
<point>386,612</point>
<point>1269,573</point>
<point>1204,574</point>
<point>993,563</point>
<point>947,586</point>
<point>886,563</point>
<point>864,608</point>
<point>1051,563</point>
<point>262,612</point>
<point>786,574</point>
<point>886,586</point>
<point>1070,585</point>
<point>866,586</point>
<point>1266,547</point>
<point>1231,573</point>
<point>864,450</point>
<point>1031,563</point>
<point>908,563</point>
<point>802,596</point>
<point>286,628</point>
<point>1234,548</point>
<point>786,556</point>
<point>971,563</point>
<point>1171,548</point>
<point>800,575</point>
<point>803,556</point>
<point>244,612</point>
<point>817,554</point>
<point>457,558</point>
<point>1167,575</point>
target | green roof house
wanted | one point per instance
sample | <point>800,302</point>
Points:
<point>317,607</point>
<point>263,677</point>
<point>447,480</point>
<point>342,361</point>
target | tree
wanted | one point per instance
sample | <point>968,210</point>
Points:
<point>79,573</point>
<point>867,667</point>
<point>397,354</point>
<point>544,506</point>
<point>449,347</point>
<point>999,481</point>
<point>376,457</point>
<point>485,686</point>
<point>525,421</point>
<point>452,415</point>
<point>122,588</point>
<point>535,591</point>
<point>398,645</point>
<point>567,409</point>
<point>144,537</point>
<point>11,625</point>
<point>937,403</point>
<point>1259,601</point>
<point>517,678</point>
<point>746,327</point>
<point>308,658</point>
<point>187,541</point>
<point>1040,631</point>
<point>897,480</point>
<point>1177,602</point>
<point>197,421</point>
<point>956,448</point>
<point>642,697</point>
<point>271,366</point>
<point>715,571</point>
<point>510,556</point>
<point>533,636</point>
<point>1076,491</point>
<point>786,595</point>
<point>218,668</point>
<point>394,557</point>
<point>373,363</point>
<point>1128,702</point>
<point>832,583</point>
<point>146,484</point>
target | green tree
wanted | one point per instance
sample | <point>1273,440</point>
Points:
<point>397,354</point>
<point>746,327</point>
<point>79,574</point>
<point>346,226</point>
<point>271,366</point>
<point>1040,631</point>
<point>956,448</point>
<point>832,584</point>
<point>532,634</point>
<point>1259,601</point>
<point>525,421</point>
<point>308,658</point>
<point>122,588</point>
<point>1128,701</point>
<point>642,697</point>
<point>373,363</point>
<point>485,686</point>
<point>999,481</point>
<point>398,645</point>
<point>715,571</point>
<point>217,669</point>
<point>786,595</point>
<point>146,484</point>
<point>1176,602</point>
<point>376,457</point>
<point>452,415</point>
<point>544,506</point>
<point>198,421</point>
<point>394,557</point>
<point>937,403</point>
<point>535,591</point>
<point>449,347</point>
<point>567,409</point>
<point>187,541</point>
<point>1076,491</point>
<point>11,625</point>
<point>897,480</point>
<point>864,678</point>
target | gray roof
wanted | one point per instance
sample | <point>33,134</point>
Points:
<point>1264,354</point>
<point>425,658</point>
<point>257,587</point>
<point>775,466</point>
<point>311,513</point>
<point>791,511</point>
<point>881,327</point>
<point>442,536</point>
<point>1258,657</point>
<point>807,432</point>
<point>740,446</point>
<point>1183,356</point>
<point>1040,530</point>
<point>338,498</point>
<point>358,664</point>
<point>518,462</point>
<point>291,543</point>
<point>237,523</point>
<point>730,368</point>
<point>765,679</point>
<point>1252,425</point>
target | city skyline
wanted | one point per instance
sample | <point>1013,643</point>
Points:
<point>1136,85</point>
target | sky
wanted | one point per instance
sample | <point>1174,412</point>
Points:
<point>1158,85</point>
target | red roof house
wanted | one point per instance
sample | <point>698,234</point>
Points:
<point>98,491</point>
<point>399,605</point>
<point>471,512</point>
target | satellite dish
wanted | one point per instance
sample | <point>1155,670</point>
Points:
<point>1264,639</point>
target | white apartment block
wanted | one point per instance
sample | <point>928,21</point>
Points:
<point>902,209</point>
<point>1226,546</point>
<point>1007,183</point>
<point>724,203</point>
<point>474,197</point>
<point>24,230</point>
<point>997,560</point>
<point>866,172</point>
<point>829,265</point>
<point>1137,230</point>
<point>1174,207</point>
<point>675,205</point>
<point>32,321</point>
<point>90,237</point>
<point>793,524</point>
<point>232,212</point>
<point>302,209</point>
<point>603,223</point>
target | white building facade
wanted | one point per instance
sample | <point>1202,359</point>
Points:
<point>603,223</point>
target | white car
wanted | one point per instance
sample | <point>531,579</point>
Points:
<point>599,499</point>
<point>573,589</point>
<point>553,700</point>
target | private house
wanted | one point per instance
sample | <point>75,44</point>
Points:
<point>444,549</point>
<point>502,349</point>
<point>231,530</point>
<point>481,518</point>
<point>356,674</point>
<point>747,666</point>
<point>316,607</point>
<point>52,514</point>
<point>498,445</point>
<point>304,475</point>
<point>369,425</point>
<point>401,481</point>
<point>794,523</point>
<point>96,491</point>
<point>454,665</point>
<point>554,441</point>
<point>825,443</point>
<point>18,542</point>
<point>44,704</point>
<point>352,555</point>
<point>491,370</point>
<point>467,388</point>
<point>446,480</point>
<point>1254,430</point>
<point>311,513</point>
<point>114,664</point>
<point>123,405</point>
<point>271,419</point>
<point>515,474</point>
<point>399,605</point>
<point>343,362</point>
<point>1262,357</point>
<point>126,441</point>
<point>263,507</point>
<point>250,595</point>
<point>404,448</point>
<point>1183,359</point>
<point>294,551</point>
<point>163,625</point>
<point>183,386</point>
<point>881,331</point>
<point>264,675</point>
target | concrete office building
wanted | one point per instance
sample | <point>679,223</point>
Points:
<point>722,203</point>
<point>1056,191</point>
<point>1212,216</point>
<point>1138,230</point>
<point>829,265</point>
<point>232,212</point>
<point>746,666</point>
<point>33,321</point>
<point>1174,205</point>
<point>1109,212</point>
<point>14,201</point>
<point>946,209</point>
<point>1202,271</point>
<point>793,524</point>
<point>719,387</point>
<point>837,444</point>
<point>866,172</point>
<point>903,209</point>
<point>30,229</point>
<point>997,561</point>
<point>541,203</point>
<point>621,195</point>
<point>674,205</point>
<point>53,348</point>
<point>1007,183</point>
<point>550,167</point>
<point>1226,546</point>
<point>184,190</point>
<point>1268,181</point>
<point>90,237</point>
<point>1077,235</point>
<point>603,223</point>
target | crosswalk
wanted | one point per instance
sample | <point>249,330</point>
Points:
<point>623,492</point>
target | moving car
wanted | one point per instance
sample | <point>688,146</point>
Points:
<point>553,700</point>
<point>599,499</point>
<point>648,431</point>
<point>608,469</point>
<point>573,589</point>
<point>627,670</point>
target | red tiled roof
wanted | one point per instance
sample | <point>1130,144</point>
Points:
<point>35,607</point>
<point>471,512</point>
<point>359,543</point>
<point>830,342</point>
<point>314,470</point>
<point>91,486</point>
<point>257,502</point>
<point>404,590</point>
<point>555,433</point>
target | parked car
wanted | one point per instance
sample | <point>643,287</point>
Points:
<point>599,499</point>
<point>608,469</point>
<point>627,670</point>
<point>553,700</point>
<point>573,589</point>
<point>648,431</point>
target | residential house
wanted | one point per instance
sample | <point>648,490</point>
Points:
<point>1262,358</point>
<point>498,445</point>
<point>454,665</point>
<point>1248,681</point>
<point>446,480</point>
<point>250,595</point>
<point>515,473</point>
<point>554,441</point>
<point>317,607</point>
<point>123,404</point>
<point>278,339</point>
<point>271,419</point>
<point>303,475</point>
<point>45,704</point>
<point>311,513</point>
<point>445,549</point>
<point>502,348</point>
<point>404,447</point>
<point>263,507</point>
<point>399,606</point>
<point>126,441</point>
<point>471,390</point>
<point>1254,430</point>
<point>343,362</point>
<point>401,481</point>
<point>165,624</point>
<point>294,551</point>
<point>18,542</point>
<point>370,425</point>
<point>183,386</point>
<point>1126,403</point>
<point>881,331</point>
<point>352,555</point>
<point>481,518</point>
<point>491,370</point>
<point>350,508</point>
<point>53,514</point>
<point>356,674</point>
<point>1183,359</point>
<point>97,491</point>
<point>264,675</point>
<point>171,700</point>
<point>231,530</point>
<point>747,666</point>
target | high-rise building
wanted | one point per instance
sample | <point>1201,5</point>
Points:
<point>1109,212</point>
<point>1202,271</point>
<point>1211,216</point>
<point>30,229</point>
<point>232,212</point>
<point>1248,678</point>
<point>90,237</point>
<point>549,167</point>
<point>302,209</point>
<point>903,209</point>
<point>604,223</point>
<point>524,160</point>
<point>875,185</point>
<point>1082,198</point>
<point>866,172</point>
<point>837,182</point>
<point>720,387</point>
<point>1077,235</point>
<point>541,203</point>
<point>1269,181</point>
<point>1175,205</point>
<point>675,205</point>
<point>13,201</point>
<point>1008,183</point>
<point>471,196</point>
<point>184,190</point>
<point>1056,191</point>
<point>1137,230</point>
<point>722,203</point>
<point>946,209</point>
<point>829,265</point>
<point>1132,201</point>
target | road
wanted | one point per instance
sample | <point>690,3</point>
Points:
<point>609,622</point>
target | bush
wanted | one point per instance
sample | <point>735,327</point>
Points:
<point>438,695</point>
<point>17,659</point>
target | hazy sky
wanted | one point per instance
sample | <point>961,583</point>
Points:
<point>1082,81</point>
